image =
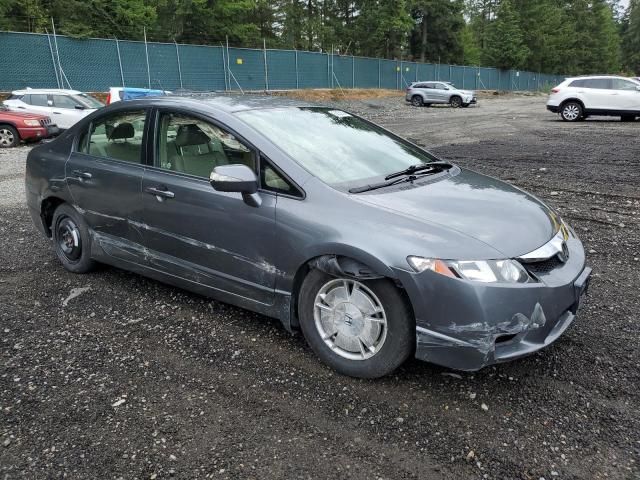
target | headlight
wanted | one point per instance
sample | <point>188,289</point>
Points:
<point>31,123</point>
<point>486,271</point>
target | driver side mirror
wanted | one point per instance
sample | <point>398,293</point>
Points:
<point>237,178</point>
<point>79,107</point>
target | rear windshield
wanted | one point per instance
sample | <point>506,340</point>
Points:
<point>340,149</point>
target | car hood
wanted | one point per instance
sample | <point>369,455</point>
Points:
<point>466,92</point>
<point>507,219</point>
<point>10,114</point>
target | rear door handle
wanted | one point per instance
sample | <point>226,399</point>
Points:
<point>82,175</point>
<point>159,192</point>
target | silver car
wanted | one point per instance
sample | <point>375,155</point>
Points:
<point>428,93</point>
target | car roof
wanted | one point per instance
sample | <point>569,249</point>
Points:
<point>229,103</point>
<point>46,90</point>
<point>583,77</point>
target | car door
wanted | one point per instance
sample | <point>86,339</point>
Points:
<point>598,94</point>
<point>104,176</point>
<point>199,234</point>
<point>625,95</point>
<point>66,111</point>
<point>429,90</point>
<point>441,92</point>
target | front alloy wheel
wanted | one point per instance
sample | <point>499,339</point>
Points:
<point>455,102</point>
<point>8,136</point>
<point>361,328</point>
<point>571,112</point>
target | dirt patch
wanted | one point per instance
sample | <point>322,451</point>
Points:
<point>322,95</point>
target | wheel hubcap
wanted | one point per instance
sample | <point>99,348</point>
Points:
<point>69,239</point>
<point>350,319</point>
<point>571,112</point>
<point>6,137</point>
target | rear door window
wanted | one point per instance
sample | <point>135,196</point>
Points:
<point>118,136</point>
<point>38,99</point>
<point>600,83</point>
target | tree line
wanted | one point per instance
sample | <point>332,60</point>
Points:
<point>548,36</point>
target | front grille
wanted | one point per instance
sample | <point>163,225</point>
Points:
<point>45,121</point>
<point>545,266</point>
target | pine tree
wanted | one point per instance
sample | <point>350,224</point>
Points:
<point>438,29</point>
<point>505,46</point>
<point>631,37</point>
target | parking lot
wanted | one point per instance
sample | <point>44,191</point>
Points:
<point>111,375</point>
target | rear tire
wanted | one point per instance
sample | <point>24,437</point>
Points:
<point>359,328</point>
<point>628,118</point>
<point>571,112</point>
<point>8,136</point>
<point>455,102</point>
<point>417,101</point>
<point>71,240</point>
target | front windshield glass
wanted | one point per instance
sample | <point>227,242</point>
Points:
<point>338,148</point>
<point>88,100</point>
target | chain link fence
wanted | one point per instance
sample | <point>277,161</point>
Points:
<point>48,61</point>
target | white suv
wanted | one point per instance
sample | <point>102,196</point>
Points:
<point>577,98</point>
<point>65,107</point>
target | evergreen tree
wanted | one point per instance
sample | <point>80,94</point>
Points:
<point>505,46</point>
<point>631,37</point>
<point>438,30</point>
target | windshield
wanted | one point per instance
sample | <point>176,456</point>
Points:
<point>88,100</point>
<point>337,147</point>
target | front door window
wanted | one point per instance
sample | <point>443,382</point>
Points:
<point>195,147</point>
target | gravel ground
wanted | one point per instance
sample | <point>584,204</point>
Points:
<point>111,375</point>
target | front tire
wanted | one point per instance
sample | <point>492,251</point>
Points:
<point>417,101</point>
<point>455,102</point>
<point>8,136</point>
<point>71,240</point>
<point>571,112</point>
<point>359,328</point>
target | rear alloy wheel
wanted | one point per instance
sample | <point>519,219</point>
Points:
<point>71,240</point>
<point>416,101</point>
<point>360,328</point>
<point>455,102</point>
<point>8,136</point>
<point>571,112</point>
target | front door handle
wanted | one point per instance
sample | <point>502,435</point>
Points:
<point>82,175</point>
<point>159,192</point>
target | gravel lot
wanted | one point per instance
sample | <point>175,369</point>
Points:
<point>111,375</point>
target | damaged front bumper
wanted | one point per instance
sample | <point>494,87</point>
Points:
<point>468,325</point>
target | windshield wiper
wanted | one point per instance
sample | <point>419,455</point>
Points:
<point>375,186</point>
<point>419,167</point>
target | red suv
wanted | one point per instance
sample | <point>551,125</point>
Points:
<point>16,126</point>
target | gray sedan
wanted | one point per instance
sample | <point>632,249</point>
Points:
<point>428,93</point>
<point>370,246</point>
